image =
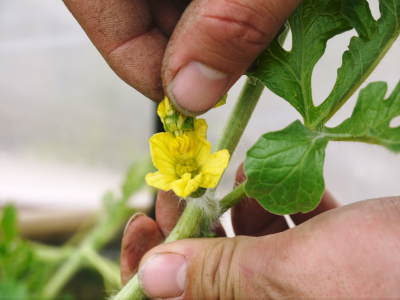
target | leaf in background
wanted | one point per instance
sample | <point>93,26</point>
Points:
<point>365,51</point>
<point>284,170</point>
<point>288,73</point>
<point>8,227</point>
<point>11,290</point>
<point>21,273</point>
<point>370,121</point>
<point>134,178</point>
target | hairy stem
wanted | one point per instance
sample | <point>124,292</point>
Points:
<point>196,215</point>
<point>240,115</point>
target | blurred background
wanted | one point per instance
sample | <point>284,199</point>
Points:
<point>69,127</point>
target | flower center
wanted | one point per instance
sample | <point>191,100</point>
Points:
<point>187,166</point>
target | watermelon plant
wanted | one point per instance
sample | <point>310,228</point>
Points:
<point>284,169</point>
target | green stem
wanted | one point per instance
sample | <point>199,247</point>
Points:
<point>103,232</point>
<point>188,224</point>
<point>50,253</point>
<point>131,291</point>
<point>62,275</point>
<point>240,115</point>
<point>233,197</point>
<point>196,217</point>
<point>107,268</point>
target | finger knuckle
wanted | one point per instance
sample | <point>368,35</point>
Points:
<point>215,275</point>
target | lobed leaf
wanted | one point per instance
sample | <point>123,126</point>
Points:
<point>288,73</point>
<point>284,170</point>
<point>364,52</point>
<point>371,118</point>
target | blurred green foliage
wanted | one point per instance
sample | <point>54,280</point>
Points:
<point>22,274</point>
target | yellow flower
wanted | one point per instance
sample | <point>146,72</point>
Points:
<point>185,162</point>
<point>173,120</point>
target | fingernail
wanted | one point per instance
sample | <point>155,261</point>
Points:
<point>197,87</point>
<point>163,275</point>
<point>130,221</point>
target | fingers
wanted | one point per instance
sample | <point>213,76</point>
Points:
<point>124,33</point>
<point>328,202</point>
<point>166,14</point>
<point>330,255</point>
<point>168,210</point>
<point>141,234</point>
<point>223,268</point>
<point>214,43</point>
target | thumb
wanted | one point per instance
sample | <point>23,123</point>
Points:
<point>223,268</point>
<point>214,43</point>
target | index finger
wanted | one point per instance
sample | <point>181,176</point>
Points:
<point>124,33</point>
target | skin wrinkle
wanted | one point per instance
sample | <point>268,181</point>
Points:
<point>215,275</point>
<point>243,30</point>
<point>129,40</point>
<point>109,22</point>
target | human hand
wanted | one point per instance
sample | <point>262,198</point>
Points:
<point>347,252</point>
<point>203,46</point>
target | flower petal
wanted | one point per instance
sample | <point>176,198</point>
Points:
<point>159,180</point>
<point>161,154</point>
<point>213,168</point>
<point>203,151</point>
<point>186,185</point>
<point>200,128</point>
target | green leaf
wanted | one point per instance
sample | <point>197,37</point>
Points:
<point>370,121</point>
<point>365,51</point>
<point>288,73</point>
<point>284,170</point>
<point>134,177</point>
<point>11,290</point>
<point>22,275</point>
<point>9,223</point>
